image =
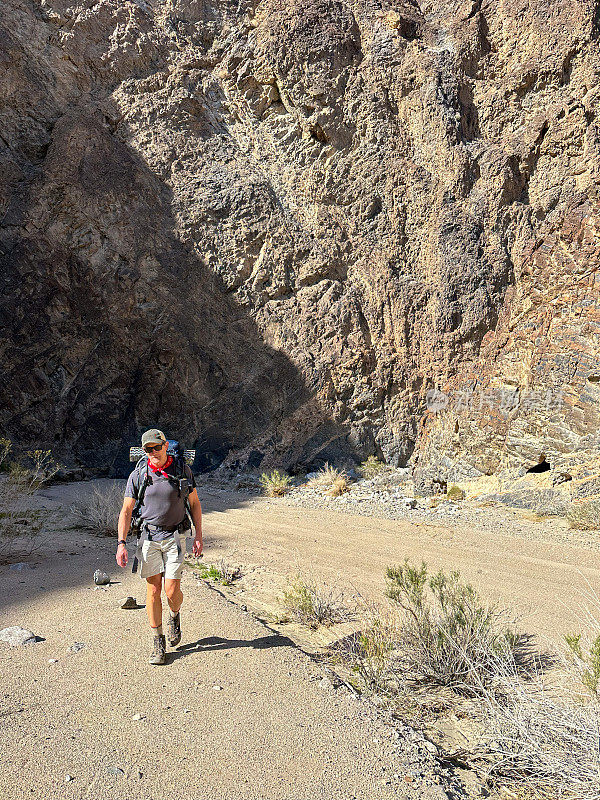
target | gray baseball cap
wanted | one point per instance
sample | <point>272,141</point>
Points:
<point>153,436</point>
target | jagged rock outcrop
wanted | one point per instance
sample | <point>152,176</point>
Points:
<point>274,227</point>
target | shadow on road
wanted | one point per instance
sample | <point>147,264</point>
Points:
<point>219,643</point>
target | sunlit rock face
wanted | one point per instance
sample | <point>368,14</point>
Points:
<point>277,229</point>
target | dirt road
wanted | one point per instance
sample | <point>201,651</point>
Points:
<point>238,712</point>
<point>538,570</point>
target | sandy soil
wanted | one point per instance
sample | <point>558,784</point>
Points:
<point>274,729</point>
<point>539,570</point>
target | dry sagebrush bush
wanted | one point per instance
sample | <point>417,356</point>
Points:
<point>99,512</point>
<point>447,635</point>
<point>312,604</point>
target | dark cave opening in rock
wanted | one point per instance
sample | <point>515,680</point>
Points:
<point>542,466</point>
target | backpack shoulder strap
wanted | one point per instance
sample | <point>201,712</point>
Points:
<point>142,469</point>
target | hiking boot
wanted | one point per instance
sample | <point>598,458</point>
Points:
<point>159,655</point>
<point>174,629</point>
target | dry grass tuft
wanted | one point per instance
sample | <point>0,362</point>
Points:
<point>312,604</point>
<point>99,513</point>
<point>339,487</point>
<point>327,478</point>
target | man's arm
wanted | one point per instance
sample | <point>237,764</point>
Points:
<point>123,529</point>
<point>196,510</point>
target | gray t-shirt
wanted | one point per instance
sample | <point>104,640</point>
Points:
<point>163,506</point>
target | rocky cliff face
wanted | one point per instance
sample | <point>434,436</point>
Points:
<point>278,228</point>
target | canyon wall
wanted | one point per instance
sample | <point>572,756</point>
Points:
<point>289,231</point>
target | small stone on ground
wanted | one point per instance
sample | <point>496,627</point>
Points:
<point>17,637</point>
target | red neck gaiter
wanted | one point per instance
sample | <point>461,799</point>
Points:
<point>161,470</point>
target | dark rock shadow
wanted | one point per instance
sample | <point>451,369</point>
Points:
<point>111,322</point>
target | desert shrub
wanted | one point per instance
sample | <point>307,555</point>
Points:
<point>367,653</point>
<point>586,659</point>
<point>327,478</point>
<point>447,635</point>
<point>313,605</point>
<point>34,469</point>
<point>455,493</point>
<point>542,745</point>
<point>584,515</point>
<point>371,467</point>
<point>20,521</point>
<point>227,572</point>
<point>20,524</point>
<point>339,487</point>
<point>275,483</point>
<point>99,512</point>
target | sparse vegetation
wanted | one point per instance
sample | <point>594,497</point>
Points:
<point>586,660</point>
<point>448,636</point>
<point>99,512</point>
<point>222,572</point>
<point>275,483</point>
<point>34,469</point>
<point>536,742</point>
<point>371,467</point>
<point>330,480</point>
<point>20,522</point>
<point>455,493</point>
<point>313,605</point>
<point>584,515</point>
<point>367,653</point>
<point>339,487</point>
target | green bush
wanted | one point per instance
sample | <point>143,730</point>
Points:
<point>587,660</point>
<point>368,652</point>
<point>448,636</point>
<point>455,493</point>
<point>371,467</point>
<point>275,483</point>
<point>222,572</point>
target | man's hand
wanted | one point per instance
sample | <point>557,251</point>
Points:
<point>197,548</point>
<point>121,555</point>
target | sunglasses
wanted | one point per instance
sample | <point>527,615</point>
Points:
<point>153,448</point>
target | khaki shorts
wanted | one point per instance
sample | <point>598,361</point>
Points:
<point>162,556</point>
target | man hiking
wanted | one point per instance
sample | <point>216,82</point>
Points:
<point>162,534</point>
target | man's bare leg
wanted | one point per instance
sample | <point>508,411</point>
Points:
<point>153,601</point>
<point>174,593</point>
